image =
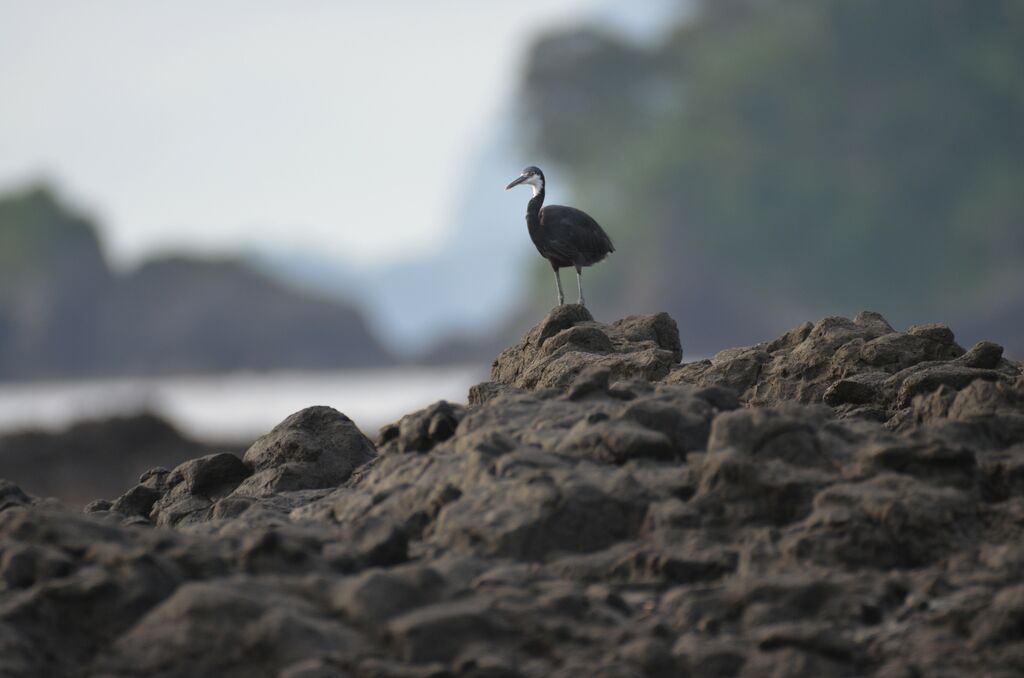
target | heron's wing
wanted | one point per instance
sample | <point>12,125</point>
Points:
<point>573,235</point>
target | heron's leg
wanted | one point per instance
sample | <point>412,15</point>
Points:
<point>579,283</point>
<point>558,282</point>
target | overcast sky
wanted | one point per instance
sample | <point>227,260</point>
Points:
<point>214,126</point>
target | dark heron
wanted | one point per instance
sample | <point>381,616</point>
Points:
<point>565,236</point>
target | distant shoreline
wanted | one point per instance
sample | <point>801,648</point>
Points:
<point>233,406</point>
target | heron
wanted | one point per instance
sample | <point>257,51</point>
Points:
<point>565,236</point>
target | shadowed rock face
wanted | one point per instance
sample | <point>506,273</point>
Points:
<point>555,351</point>
<point>861,367</point>
<point>846,500</point>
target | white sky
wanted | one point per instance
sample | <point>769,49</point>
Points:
<point>213,126</point>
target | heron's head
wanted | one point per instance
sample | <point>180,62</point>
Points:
<point>531,176</point>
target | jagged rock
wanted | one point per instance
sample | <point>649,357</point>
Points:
<point>591,380</point>
<point>891,521</point>
<point>859,362</point>
<point>569,340</point>
<point>11,495</point>
<point>984,355</point>
<point>98,505</point>
<point>277,549</point>
<point>319,440</point>
<point>656,423</point>
<point>844,500</point>
<point>531,521</point>
<point>286,477</point>
<point>180,509</point>
<point>213,476</point>
<point>853,391</point>
<point>682,417</point>
<point>155,478</point>
<point>795,435</point>
<point>616,441</point>
<point>137,501</point>
<point>929,459</point>
<point>185,494</point>
<point>87,584</point>
<point>765,465</point>
<point>926,380</point>
<point>484,391</point>
<point>737,489</point>
<point>422,430</point>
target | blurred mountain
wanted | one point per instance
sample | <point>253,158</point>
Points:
<point>64,313</point>
<point>772,159</point>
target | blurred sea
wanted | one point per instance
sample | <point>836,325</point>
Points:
<point>237,407</point>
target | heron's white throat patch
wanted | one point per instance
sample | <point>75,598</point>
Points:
<point>535,181</point>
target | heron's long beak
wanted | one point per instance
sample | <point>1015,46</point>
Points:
<point>515,183</point>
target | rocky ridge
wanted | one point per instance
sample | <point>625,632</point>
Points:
<point>846,500</point>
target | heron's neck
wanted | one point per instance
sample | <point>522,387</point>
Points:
<point>533,207</point>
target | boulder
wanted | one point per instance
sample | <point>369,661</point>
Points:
<point>568,341</point>
<point>137,501</point>
<point>322,446</point>
<point>213,476</point>
<point>422,430</point>
<point>184,494</point>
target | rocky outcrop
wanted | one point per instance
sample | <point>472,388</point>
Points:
<point>583,517</point>
<point>317,447</point>
<point>862,367</point>
<point>568,339</point>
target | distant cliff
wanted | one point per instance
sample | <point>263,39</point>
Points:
<point>64,313</point>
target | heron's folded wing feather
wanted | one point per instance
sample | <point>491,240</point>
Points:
<point>573,235</point>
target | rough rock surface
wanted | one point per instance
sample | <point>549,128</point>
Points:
<point>569,339</point>
<point>317,447</point>
<point>862,367</point>
<point>844,501</point>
